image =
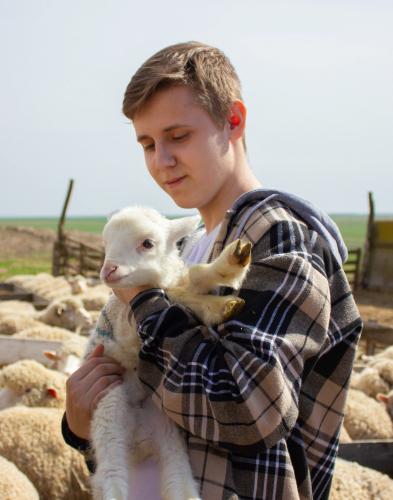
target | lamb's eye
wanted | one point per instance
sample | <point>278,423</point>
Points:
<point>148,244</point>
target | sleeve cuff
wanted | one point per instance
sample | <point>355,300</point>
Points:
<point>80,444</point>
<point>147,303</point>
<point>72,439</point>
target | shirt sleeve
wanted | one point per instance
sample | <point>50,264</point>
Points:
<point>80,444</point>
<point>238,384</point>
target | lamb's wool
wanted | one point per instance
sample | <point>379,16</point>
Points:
<point>14,485</point>
<point>32,440</point>
<point>33,384</point>
<point>351,481</point>
<point>366,418</point>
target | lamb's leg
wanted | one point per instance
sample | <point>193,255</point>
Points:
<point>229,269</point>
<point>176,479</point>
<point>210,309</point>
<point>112,429</point>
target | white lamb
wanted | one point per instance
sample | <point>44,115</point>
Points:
<point>141,250</point>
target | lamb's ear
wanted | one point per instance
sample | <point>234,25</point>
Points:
<point>178,228</point>
<point>111,214</point>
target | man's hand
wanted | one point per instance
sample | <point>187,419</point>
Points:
<point>86,386</point>
<point>127,294</point>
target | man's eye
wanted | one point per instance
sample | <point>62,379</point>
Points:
<point>148,244</point>
<point>148,147</point>
<point>180,137</point>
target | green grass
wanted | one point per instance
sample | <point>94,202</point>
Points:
<point>86,224</point>
<point>353,229</point>
<point>33,265</point>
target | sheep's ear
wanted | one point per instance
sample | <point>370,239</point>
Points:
<point>178,228</point>
<point>60,309</point>
<point>51,391</point>
<point>52,355</point>
<point>383,398</point>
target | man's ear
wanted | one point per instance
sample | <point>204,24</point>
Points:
<point>178,228</point>
<point>237,119</point>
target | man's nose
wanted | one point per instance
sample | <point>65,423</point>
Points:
<point>164,157</point>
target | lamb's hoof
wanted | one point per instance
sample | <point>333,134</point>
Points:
<point>233,307</point>
<point>241,256</point>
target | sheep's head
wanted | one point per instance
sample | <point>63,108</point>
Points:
<point>29,383</point>
<point>68,313</point>
<point>140,247</point>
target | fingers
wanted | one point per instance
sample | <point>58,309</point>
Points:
<point>104,392</point>
<point>97,351</point>
<point>93,361</point>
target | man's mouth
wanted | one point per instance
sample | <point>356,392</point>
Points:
<point>175,181</point>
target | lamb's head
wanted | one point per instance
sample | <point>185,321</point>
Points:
<point>140,248</point>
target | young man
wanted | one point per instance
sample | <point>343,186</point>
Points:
<point>261,396</point>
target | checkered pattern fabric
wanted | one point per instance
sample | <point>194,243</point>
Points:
<point>261,396</point>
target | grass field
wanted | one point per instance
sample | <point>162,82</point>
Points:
<point>352,226</point>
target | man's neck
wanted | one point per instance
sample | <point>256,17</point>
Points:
<point>214,212</point>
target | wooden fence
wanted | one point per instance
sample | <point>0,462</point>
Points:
<point>352,267</point>
<point>71,257</point>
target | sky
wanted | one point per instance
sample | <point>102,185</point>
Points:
<point>317,79</point>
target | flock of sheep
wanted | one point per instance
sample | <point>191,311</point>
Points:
<point>36,463</point>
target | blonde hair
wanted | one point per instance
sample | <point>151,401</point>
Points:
<point>204,69</point>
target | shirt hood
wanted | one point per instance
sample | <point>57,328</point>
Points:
<point>314,217</point>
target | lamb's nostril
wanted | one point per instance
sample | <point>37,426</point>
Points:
<point>108,272</point>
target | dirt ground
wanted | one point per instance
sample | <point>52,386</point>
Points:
<point>18,242</point>
<point>22,242</point>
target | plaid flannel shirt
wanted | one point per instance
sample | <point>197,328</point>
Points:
<point>260,397</point>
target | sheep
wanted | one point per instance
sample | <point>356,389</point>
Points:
<point>14,485</point>
<point>12,323</point>
<point>365,418</point>
<point>94,299</point>
<point>385,354</point>
<point>31,439</point>
<point>140,247</point>
<point>375,378</point>
<point>68,313</point>
<point>352,481</point>
<point>78,284</point>
<point>29,383</point>
<point>68,357</point>
<point>19,307</point>
<point>344,436</point>
<point>387,399</point>
<point>43,284</point>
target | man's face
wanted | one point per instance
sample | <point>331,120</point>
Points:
<point>187,154</point>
